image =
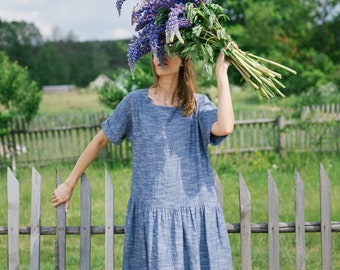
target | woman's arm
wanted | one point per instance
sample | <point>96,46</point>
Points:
<point>64,192</point>
<point>225,113</point>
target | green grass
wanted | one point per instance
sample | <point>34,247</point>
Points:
<point>86,101</point>
<point>254,169</point>
<point>82,101</point>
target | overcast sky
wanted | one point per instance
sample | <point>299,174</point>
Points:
<point>88,20</point>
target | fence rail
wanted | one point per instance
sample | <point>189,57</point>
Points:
<point>65,137</point>
<point>246,228</point>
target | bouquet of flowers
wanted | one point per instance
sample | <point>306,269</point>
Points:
<point>196,29</point>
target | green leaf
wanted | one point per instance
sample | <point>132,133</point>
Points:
<point>168,49</point>
<point>212,18</point>
<point>221,34</point>
<point>207,70</point>
<point>209,52</point>
<point>197,30</point>
<point>190,11</point>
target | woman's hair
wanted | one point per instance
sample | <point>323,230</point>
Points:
<point>187,86</point>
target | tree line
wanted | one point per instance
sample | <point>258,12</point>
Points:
<point>62,61</point>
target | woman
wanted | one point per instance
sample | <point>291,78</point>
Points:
<point>173,219</point>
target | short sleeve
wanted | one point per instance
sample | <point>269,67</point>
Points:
<point>207,113</point>
<point>118,126</point>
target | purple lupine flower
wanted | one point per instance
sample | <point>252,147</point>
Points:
<point>119,4</point>
<point>144,15</point>
<point>157,43</point>
<point>147,40</point>
<point>172,25</point>
<point>137,48</point>
<point>154,31</point>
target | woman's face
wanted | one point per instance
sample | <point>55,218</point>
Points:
<point>171,66</point>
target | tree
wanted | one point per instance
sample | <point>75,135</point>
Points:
<point>20,40</point>
<point>19,96</point>
<point>46,73</point>
<point>302,35</point>
<point>111,94</point>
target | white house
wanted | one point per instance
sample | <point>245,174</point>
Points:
<point>99,81</point>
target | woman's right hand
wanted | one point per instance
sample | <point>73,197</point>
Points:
<point>62,194</point>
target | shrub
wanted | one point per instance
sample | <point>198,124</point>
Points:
<point>19,96</point>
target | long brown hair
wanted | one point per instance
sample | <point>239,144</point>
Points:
<point>187,86</point>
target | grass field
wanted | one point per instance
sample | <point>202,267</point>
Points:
<point>254,168</point>
<point>87,101</point>
<point>75,102</point>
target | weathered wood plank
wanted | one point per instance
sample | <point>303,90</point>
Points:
<point>219,188</point>
<point>60,242</point>
<point>109,223</point>
<point>299,222</point>
<point>85,224</point>
<point>241,133</point>
<point>325,209</point>
<point>35,220</point>
<point>284,227</point>
<point>281,123</point>
<point>245,224</point>
<point>13,220</point>
<point>273,225</point>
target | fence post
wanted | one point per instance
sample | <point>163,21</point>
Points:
<point>35,220</point>
<point>326,230</point>
<point>13,220</point>
<point>109,223</point>
<point>245,224</point>
<point>85,224</point>
<point>299,222</point>
<point>281,123</point>
<point>219,188</point>
<point>273,224</point>
<point>60,242</point>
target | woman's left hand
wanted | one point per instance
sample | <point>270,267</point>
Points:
<point>222,64</point>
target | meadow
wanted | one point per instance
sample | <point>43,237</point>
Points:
<point>254,168</point>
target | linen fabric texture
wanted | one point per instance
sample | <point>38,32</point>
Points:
<point>173,219</point>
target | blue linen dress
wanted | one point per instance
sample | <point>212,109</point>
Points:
<point>173,220</point>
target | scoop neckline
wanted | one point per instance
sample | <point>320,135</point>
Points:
<point>155,105</point>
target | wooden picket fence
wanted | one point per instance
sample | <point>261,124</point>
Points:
<point>48,139</point>
<point>273,228</point>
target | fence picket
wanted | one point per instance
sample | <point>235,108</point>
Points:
<point>273,224</point>
<point>245,224</point>
<point>35,220</point>
<point>325,209</point>
<point>109,223</point>
<point>85,224</point>
<point>299,222</point>
<point>13,220</point>
<point>60,242</point>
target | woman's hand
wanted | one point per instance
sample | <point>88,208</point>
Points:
<point>222,61</point>
<point>222,64</point>
<point>62,194</point>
